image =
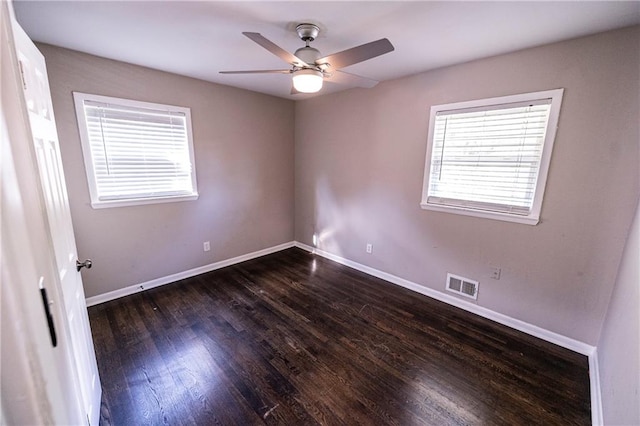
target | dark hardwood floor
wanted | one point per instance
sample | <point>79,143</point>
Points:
<point>295,339</point>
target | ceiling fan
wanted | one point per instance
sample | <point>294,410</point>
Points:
<point>309,68</point>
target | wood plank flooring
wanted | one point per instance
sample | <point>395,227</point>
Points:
<point>295,339</point>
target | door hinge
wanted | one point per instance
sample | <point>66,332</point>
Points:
<point>24,81</point>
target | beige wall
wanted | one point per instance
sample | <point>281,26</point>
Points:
<point>619,346</point>
<point>359,164</point>
<point>243,144</point>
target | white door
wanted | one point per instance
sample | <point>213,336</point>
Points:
<point>38,384</point>
<point>45,138</point>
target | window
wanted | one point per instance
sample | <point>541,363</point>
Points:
<point>135,152</point>
<point>489,158</point>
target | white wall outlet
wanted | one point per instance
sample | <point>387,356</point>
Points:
<point>206,246</point>
<point>495,273</point>
<point>369,248</point>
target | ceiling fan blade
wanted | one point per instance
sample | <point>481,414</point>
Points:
<point>342,77</point>
<point>357,54</point>
<point>257,72</point>
<point>276,50</point>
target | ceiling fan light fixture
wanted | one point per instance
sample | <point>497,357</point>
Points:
<point>307,81</point>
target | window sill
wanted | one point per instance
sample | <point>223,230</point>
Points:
<point>527,220</point>
<point>142,201</point>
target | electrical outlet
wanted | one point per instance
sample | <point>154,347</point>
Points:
<point>495,273</point>
<point>206,246</point>
<point>369,248</point>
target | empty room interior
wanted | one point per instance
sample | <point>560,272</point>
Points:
<point>443,230</point>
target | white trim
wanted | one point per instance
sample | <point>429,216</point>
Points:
<point>482,209</point>
<point>486,214</point>
<point>142,201</point>
<point>80,99</point>
<point>533,330</point>
<point>136,288</point>
<point>597,418</point>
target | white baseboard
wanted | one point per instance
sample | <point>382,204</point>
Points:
<point>549,336</point>
<point>597,418</point>
<point>533,330</point>
<point>136,288</point>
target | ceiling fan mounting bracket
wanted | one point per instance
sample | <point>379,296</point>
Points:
<point>307,32</point>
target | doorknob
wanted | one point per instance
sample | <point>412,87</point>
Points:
<point>86,264</point>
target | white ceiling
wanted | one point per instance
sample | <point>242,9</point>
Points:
<point>199,39</point>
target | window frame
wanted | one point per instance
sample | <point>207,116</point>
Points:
<point>533,217</point>
<point>96,202</point>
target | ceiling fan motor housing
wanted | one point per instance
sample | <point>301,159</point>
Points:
<point>308,54</point>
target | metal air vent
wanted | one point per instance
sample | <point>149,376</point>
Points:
<point>462,286</point>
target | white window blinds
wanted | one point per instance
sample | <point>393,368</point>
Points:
<point>135,150</point>
<point>489,157</point>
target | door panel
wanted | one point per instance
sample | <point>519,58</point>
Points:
<point>38,384</point>
<point>47,148</point>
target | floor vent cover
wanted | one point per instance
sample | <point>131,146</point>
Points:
<point>462,286</point>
